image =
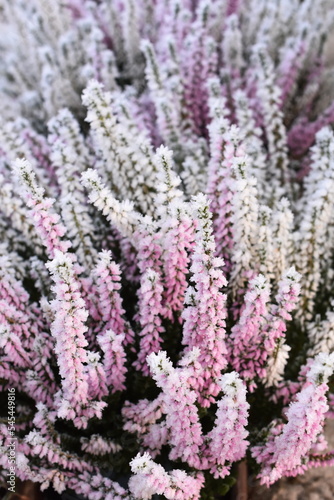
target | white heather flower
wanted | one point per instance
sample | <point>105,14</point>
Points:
<point>245,213</point>
<point>27,177</point>
<point>121,214</point>
<point>141,463</point>
<point>277,362</point>
<point>168,188</point>
<point>159,363</point>
<point>97,445</point>
<point>322,368</point>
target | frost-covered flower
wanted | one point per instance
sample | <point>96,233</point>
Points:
<point>150,301</point>
<point>204,318</point>
<point>227,443</point>
<point>287,453</point>
<point>246,349</point>
<point>150,478</point>
<point>182,418</point>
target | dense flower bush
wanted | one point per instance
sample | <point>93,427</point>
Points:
<point>167,242</point>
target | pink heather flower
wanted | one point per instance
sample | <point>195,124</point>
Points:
<point>44,476</point>
<point>286,454</point>
<point>95,486</point>
<point>40,149</point>
<point>179,404</point>
<point>68,328</point>
<point>45,442</point>
<point>162,97</point>
<point>141,419</point>
<point>226,443</point>
<point>149,316</point>
<point>19,322</point>
<point>224,145</point>
<point>43,446</point>
<point>289,70</point>
<point>22,335</point>
<point>232,51</point>
<point>97,378</point>
<point>46,222</point>
<point>40,383</point>
<point>11,289</point>
<point>233,6</point>
<point>20,339</point>
<point>107,276</point>
<point>147,239</point>
<point>139,416</point>
<point>44,420</point>
<point>204,318</point>
<point>287,299</point>
<point>156,437</point>
<point>129,264</point>
<point>321,459</point>
<point>303,134</point>
<point>246,351</point>
<point>178,241</point>
<point>200,63</point>
<point>150,478</point>
<point>176,233</point>
<point>12,346</point>
<point>114,359</point>
<point>97,445</point>
<point>190,361</point>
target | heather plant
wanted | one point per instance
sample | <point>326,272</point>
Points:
<point>167,243</point>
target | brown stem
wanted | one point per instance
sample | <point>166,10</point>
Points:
<point>242,481</point>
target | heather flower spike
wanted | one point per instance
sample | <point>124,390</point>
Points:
<point>287,453</point>
<point>204,316</point>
